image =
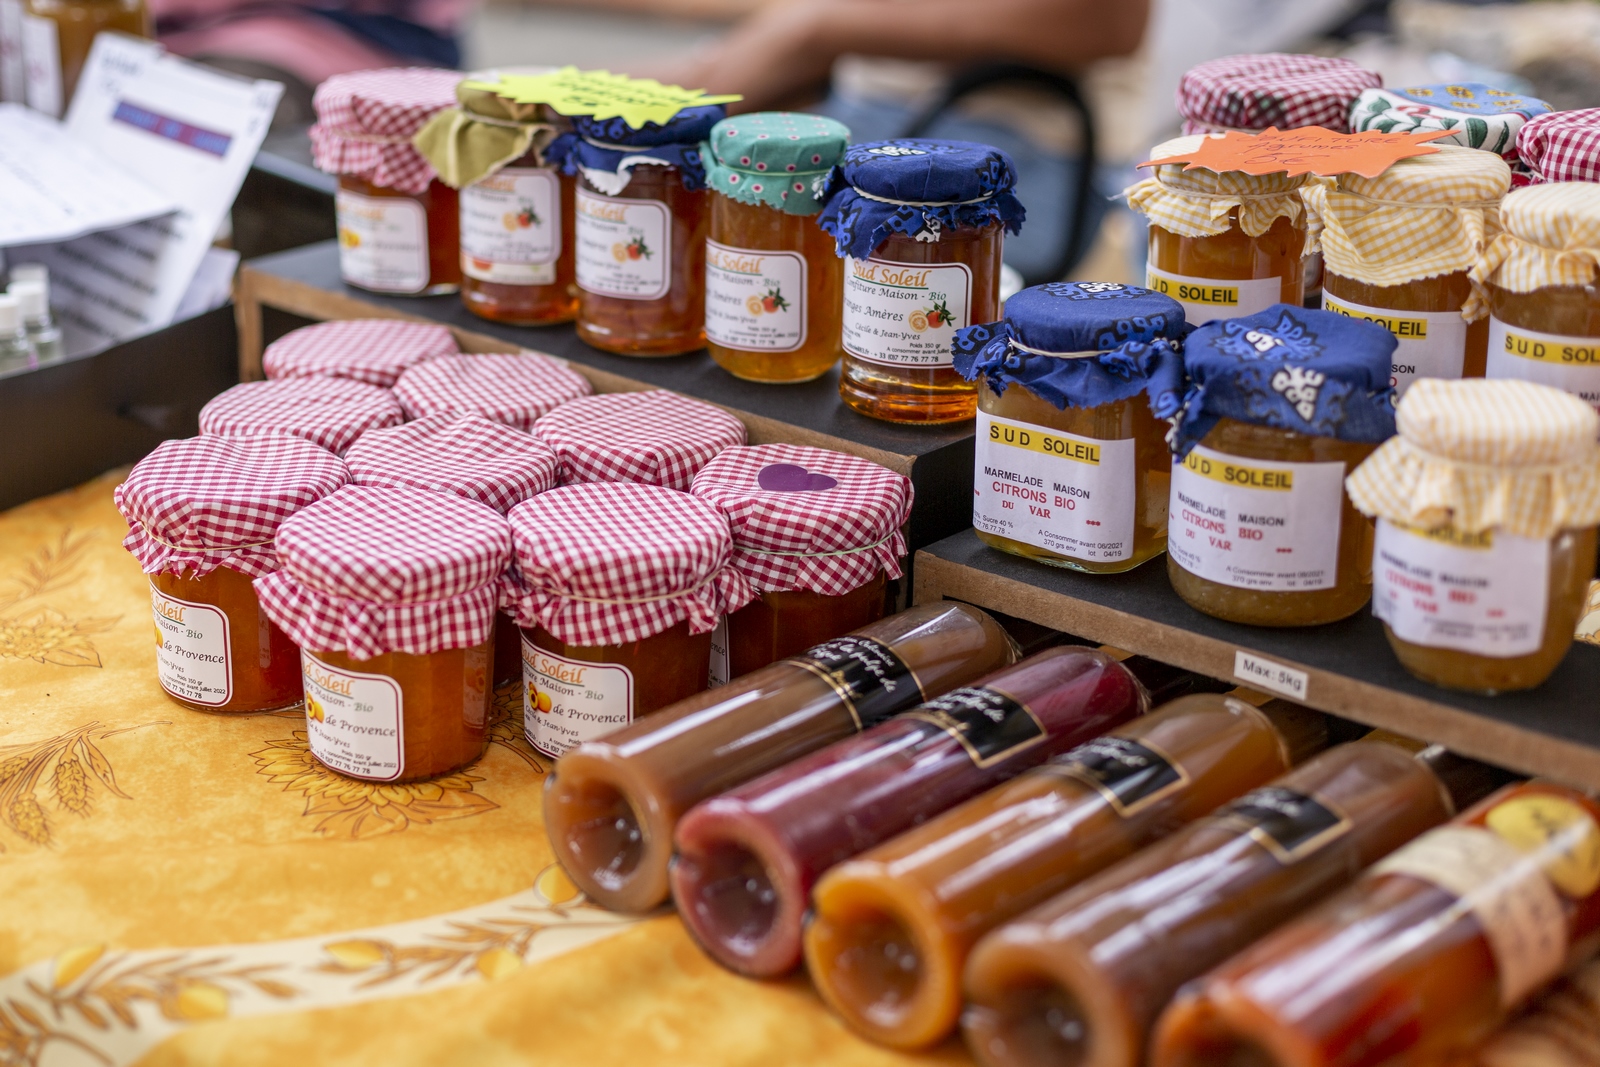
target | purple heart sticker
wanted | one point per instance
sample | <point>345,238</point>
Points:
<point>792,478</point>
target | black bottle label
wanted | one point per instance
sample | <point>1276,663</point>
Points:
<point>989,724</point>
<point>1130,774</point>
<point>873,682</point>
<point>1289,824</point>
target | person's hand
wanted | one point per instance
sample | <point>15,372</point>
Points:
<point>775,58</point>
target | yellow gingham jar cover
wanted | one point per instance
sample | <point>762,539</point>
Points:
<point>1197,203</point>
<point>1550,235</point>
<point>1479,454</point>
<point>1424,216</point>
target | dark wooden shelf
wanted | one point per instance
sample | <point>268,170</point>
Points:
<point>1345,668</point>
<point>305,283</point>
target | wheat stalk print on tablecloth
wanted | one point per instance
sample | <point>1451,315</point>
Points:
<point>30,629</point>
<point>114,1006</point>
<point>64,768</point>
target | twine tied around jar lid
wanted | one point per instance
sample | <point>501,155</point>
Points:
<point>484,133</point>
<point>1422,217</point>
<point>1201,202</point>
<point>1549,236</point>
<point>1479,454</point>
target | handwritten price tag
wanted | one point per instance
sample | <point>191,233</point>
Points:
<point>601,94</point>
<point>1308,150</point>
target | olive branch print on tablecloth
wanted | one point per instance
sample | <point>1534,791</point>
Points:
<point>68,765</point>
<point>357,810</point>
<point>32,630</point>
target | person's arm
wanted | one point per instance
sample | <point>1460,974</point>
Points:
<point>788,48</point>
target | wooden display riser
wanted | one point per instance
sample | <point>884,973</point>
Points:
<point>1344,668</point>
<point>305,283</point>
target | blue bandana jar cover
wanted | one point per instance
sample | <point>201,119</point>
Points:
<point>1072,465</point>
<point>640,218</point>
<point>1281,406</point>
<point>919,226</point>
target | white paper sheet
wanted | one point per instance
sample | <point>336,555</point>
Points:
<point>55,186</point>
<point>185,130</point>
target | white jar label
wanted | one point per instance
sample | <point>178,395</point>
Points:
<point>1253,524</point>
<point>511,227</point>
<point>1433,344</point>
<point>1204,299</point>
<point>1480,593</point>
<point>566,702</point>
<point>718,672</point>
<point>354,721</point>
<point>624,247</point>
<point>1058,491</point>
<point>755,300</point>
<point>41,64</point>
<point>383,242</point>
<point>904,314</point>
<point>192,650</point>
<point>1517,908</point>
<point>1570,363</point>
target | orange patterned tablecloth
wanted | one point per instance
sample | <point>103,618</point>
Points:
<point>182,888</point>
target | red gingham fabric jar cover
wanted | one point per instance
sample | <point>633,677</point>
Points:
<point>1252,92</point>
<point>807,518</point>
<point>369,571</point>
<point>466,455</point>
<point>208,502</point>
<point>1563,146</point>
<point>515,388</point>
<point>607,563</point>
<point>374,351</point>
<point>653,437</point>
<point>365,121</point>
<point>331,412</point>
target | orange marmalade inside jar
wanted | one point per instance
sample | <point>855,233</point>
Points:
<point>818,536</point>
<point>1537,281</point>
<point>1282,406</point>
<point>202,514</point>
<point>1223,245</point>
<point>396,630</point>
<point>399,226</point>
<point>919,224</point>
<point>1072,467</point>
<point>641,215</point>
<point>773,283</point>
<point>1445,205</point>
<point>1482,589</point>
<point>617,587</point>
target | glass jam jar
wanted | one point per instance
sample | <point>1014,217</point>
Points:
<point>399,226</point>
<point>773,283</point>
<point>640,217</point>
<point>395,631</point>
<point>1221,265</point>
<point>1544,308</point>
<point>516,209</point>
<point>1072,467</point>
<point>56,36</point>
<point>514,388</point>
<point>1481,587</point>
<point>202,513</point>
<point>331,412</point>
<point>373,351</point>
<point>1283,405</point>
<point>653,437</point>
<point>919,225</point>
<point>470,457</point>
<point>1415,288</point>
<point>817,534</point>
<point>617,587</point>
